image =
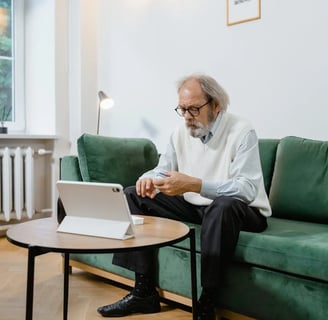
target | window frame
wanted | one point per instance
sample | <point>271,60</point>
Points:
<point>18,52</point>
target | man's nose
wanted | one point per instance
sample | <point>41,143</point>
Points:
<point>187,115</point>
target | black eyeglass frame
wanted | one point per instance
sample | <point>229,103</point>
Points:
<point>193,111</point>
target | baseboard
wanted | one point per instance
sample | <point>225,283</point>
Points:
<point>5,225</point>
<point>222,314</point>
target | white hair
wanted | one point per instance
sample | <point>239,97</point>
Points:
<point>210,87</point>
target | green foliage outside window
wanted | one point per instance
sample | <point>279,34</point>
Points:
<point>6,60</point>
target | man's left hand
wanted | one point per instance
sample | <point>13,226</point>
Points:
<point>177,183</point>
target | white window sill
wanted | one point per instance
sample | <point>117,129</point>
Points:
<point>8,136</point>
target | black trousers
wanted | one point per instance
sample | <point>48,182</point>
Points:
<point>221,223</point>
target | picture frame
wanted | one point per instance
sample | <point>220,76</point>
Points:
<point>240,11</point>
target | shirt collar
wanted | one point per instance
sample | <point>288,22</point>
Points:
<point>214,128</point>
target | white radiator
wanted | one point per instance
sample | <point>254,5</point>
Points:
<point>17,182</point>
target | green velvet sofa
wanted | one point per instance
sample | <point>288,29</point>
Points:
<point>281,273</point>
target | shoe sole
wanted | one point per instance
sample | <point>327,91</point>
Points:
<point>117,315</point>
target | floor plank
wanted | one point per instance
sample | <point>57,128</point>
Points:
<point>86,292</point>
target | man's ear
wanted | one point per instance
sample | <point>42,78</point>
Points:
<point>217,107</point>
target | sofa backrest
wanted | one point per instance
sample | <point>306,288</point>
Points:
<point>268,149</point>
<point>299,187</point>
<point>116,160</point>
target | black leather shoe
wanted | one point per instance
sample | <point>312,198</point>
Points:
<point>205,313</point>
<point>205,308</point>
<point>131,304</point>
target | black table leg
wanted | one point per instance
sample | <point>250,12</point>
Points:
<point>66,279</point>
<point>32,253</point>
<point>193,273</point>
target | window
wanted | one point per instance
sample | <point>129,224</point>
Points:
<point>11,64</point>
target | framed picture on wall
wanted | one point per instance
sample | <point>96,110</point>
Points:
<point>239,11</point>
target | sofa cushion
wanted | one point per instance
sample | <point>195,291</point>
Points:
<point>295,247</point>
<point>115,160</point>
<point>299,188</point>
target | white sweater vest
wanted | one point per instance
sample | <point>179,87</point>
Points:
<point>211,161</point>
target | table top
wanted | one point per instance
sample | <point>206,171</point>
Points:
<point>154,232</point>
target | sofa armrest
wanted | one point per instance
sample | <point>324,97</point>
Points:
<point>70,168</point>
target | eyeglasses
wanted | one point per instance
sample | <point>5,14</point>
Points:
<point>193,111</point>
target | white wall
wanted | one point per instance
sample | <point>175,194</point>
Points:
<point>275,69</point>
<point>39,67</point>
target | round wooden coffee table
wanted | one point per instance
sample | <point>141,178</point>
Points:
<point>40,237</point>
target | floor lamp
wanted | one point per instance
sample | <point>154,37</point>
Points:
<point>105,102</point>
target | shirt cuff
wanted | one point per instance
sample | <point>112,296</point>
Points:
<point>208,189</point>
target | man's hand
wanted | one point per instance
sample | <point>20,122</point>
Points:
<point>145,188</point>
<point>177,183</point>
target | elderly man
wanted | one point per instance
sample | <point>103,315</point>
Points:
<point>210,175</point>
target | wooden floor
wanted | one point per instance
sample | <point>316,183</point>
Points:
<point>86,292</point>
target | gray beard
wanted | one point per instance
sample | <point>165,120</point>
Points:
<point>199,130</point>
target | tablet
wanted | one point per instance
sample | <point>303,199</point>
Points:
<point>96,209</point>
